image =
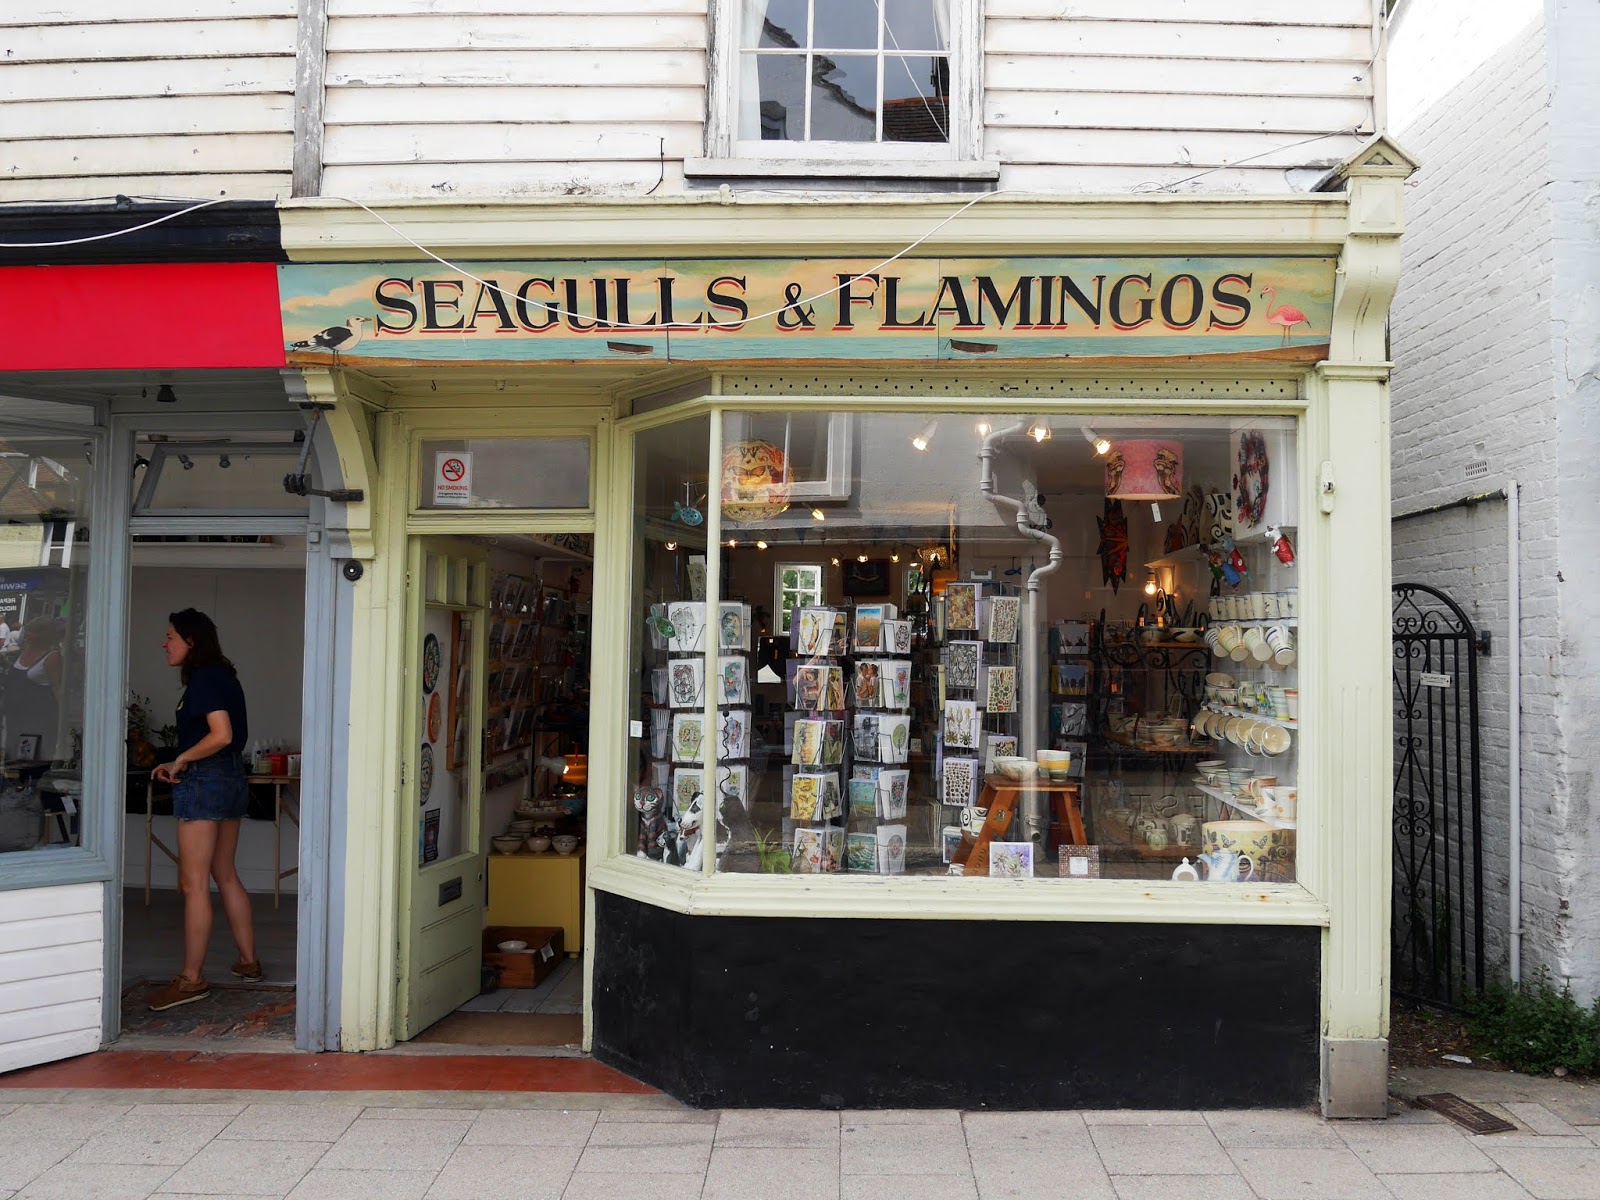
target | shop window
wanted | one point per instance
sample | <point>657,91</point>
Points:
<point>205,474</point>
<point>542,473</point>
<point>832,80</point>
<point>1042,647</point>
<point>46,486</point>
<point>796,586</point>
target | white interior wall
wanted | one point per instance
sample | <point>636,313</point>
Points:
<point>260,616</point>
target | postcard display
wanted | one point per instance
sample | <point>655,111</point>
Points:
<point>848,776</point>
<point>679,738</point>
<point>976,625</point>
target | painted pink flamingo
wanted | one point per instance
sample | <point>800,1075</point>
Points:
<point>1285,315</point>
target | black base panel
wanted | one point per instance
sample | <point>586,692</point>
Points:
<point>799,1013</point>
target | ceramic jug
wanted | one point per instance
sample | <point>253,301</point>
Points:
<point>1226,866</point>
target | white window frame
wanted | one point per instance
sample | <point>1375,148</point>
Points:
<point>817,595</point>
<point>836,483</point>
<point>727,154</point>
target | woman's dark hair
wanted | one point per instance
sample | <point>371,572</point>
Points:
<point>200,631</point>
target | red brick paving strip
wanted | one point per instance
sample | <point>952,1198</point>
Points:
<point>328,1072</point>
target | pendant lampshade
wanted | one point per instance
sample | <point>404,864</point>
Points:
<point>1144,470</point>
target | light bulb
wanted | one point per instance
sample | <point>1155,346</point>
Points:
<point>1100,444</point>
<point>1039,431</point>
<point>836,562</point>
<point>1150,586</point>
<point>732,543</point>
<point>818,515</point>
<point>1102,447</point>
<point>984,429</point>
<point>761,545</point>
<point>894,558</point>
<point>672,545</point>
<point>861,558</point>
<point>923,437</point>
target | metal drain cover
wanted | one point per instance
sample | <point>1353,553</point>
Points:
<point>1469,1116</point>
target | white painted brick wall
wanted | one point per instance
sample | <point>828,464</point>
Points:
<point>1475,383</point>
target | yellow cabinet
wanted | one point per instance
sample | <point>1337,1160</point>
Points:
<point>539,889</point>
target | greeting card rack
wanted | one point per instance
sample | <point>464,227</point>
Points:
<point>880,743</point>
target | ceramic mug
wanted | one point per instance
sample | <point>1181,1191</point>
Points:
<point>1256,643</point>
<point>1280,803</point>
<point>1186,830</point>
<point>1280,645</point>
<point>1273,604</point>
<point>1291,703</point>
<point>972,819</point>
<point>1289,602</point>
<point>1256,602</point>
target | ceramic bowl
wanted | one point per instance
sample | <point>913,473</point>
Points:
<point>1220,679</point>
<point>1015,768</point>
<point>538,844</point>
<point>512,946</point>
<point>564,843</point>
<point>506,844</point>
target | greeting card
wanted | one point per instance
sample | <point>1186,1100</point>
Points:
<point>869,683</point>
<point>833,849</point>
<point>863,801</point>
<point>697,576</point>
<point>688,737</point>
<point>891,849</point>
<point>869,627</point>
<point>960,777</point>
<point>1003,615</point>
<point>897,637</point>
<point>961,724</point>
<point>1070,679</point>
<point>1011,860</point>
<point>808,851</point>
<point>1069,719</point>
<point>1069,637</point>
<point>733,626</point>
<point>894,738</point>
<point>861,852</point>
<point>828,796</point>
<point>832,743</point>
<point>819,688</point>
<point>894,683</point>
<point>807,743</point>
<point>961,605</point>
<point>685,682</point>
<point>865,737</point>
<point>688,620</point>
<point>997,745</point>
<point>687,787</point>
<point>733,782</point>
<point>733,681</point>
<point>814,632</point>
<point>893,787</point>
<point>660,732</point>
<point>733,733</point>
<point>1002,690</point>
<point>961,662</point>
<point>805,796</point>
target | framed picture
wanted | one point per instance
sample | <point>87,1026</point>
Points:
<point>1080,862</point>
<point>28,747</point>
<point>870,578</point>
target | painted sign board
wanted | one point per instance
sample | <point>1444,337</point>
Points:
<point>1229,308</point>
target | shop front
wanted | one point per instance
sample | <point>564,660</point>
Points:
<point>977,658</point>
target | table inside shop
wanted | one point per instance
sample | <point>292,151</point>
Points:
<point>283,805</point>
<point>1000,798</point>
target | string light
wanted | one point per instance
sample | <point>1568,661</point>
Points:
<point>921,439</point>
<point>861,558</point>
<point>1039,431</point>
<point>672,545</point>
<point>761,545</point>
<point>1101,446</point>
<point>818,515</point>
<point>984,428</point>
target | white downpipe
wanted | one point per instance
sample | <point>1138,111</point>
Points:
<point>1514,715</point>
<point>1029,683</point>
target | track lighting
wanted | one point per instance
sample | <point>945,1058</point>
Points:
<point>165,394</point>
<point>1100,444</point>
<point>1039,431</point>
<point>924,436</point>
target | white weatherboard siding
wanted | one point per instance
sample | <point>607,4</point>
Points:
<point>52,973</point>
<point>146,97</point>
<point>512,97</point>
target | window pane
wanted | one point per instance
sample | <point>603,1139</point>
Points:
<point>505,473</point>
<point>781,114</point>
<point>46,487</point>
<point>916,99</point>
<point>783,26</point>
<point>844,98</point>
<point>911,25</point>
<point>668,642</point>
<point>209,473</point>
<point>923,670</point>
<point>845,25</point>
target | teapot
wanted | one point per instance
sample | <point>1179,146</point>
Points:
<point>1226,866</point>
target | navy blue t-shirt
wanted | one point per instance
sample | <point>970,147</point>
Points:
<point>212,689</point>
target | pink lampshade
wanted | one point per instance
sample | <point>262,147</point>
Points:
<point>1144,470</point>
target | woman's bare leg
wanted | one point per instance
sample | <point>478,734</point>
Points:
<point>197,842</point>
<point>235,900</point>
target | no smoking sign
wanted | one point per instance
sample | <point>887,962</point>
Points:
<point>452,478</point>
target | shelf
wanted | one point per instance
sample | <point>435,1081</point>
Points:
<point>1234,802</point>
<point>1291,622</point>
<point>1127,745</point>
<point>1255,716</point>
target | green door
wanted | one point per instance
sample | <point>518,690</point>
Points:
<point>442,893</point>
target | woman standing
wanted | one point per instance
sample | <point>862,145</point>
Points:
<point>209,798</point>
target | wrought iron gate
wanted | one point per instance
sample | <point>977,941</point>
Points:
<point>1436,934</point>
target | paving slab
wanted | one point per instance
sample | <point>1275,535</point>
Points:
<point>1453,1186</point>
<point>1262,1128</point>
<point>1027,1130</point>
<point>632,1185</point>
<point>291,1123</point>
<point>1161,1150</point>
<point>395,1145</point>
<point>505,1173</point>
<point>58,1120</point>
<point>1415,1149</point>
<point>247,1167</point>
<point>779,1129</point>
<point>1140,1116</point>
<point>908,1187</point>
<point>939,1149</point>
<point>535,1128</point>
<point>1068,1174</point>
<point>1308,1175</point>
<point>737,1173</point>
<point>1538,1118</point>
<point>24,1159</point>
<point>102,1181</point>
<point>1171,1187</point>
<point>651,1133</point>
<point>688,1157</point>
<point>1552,1173</point>
<point>325,1184</point>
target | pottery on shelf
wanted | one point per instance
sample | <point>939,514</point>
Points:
<point>539,843</point>
<point>564,843</point>
<point>506,844</point>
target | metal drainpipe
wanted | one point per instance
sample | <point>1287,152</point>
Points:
<point>1033,818</point>
<point>1514,714</point>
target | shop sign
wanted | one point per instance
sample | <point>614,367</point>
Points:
<point>452,478</point>
<point>1230,308</point>
<point>1431,679</point>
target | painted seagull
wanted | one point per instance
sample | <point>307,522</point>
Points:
<point>335,337</point>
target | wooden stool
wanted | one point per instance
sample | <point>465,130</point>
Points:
<point>1001,796</point>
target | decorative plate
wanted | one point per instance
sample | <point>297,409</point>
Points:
<point>1254,479</point>
<point>435,717</point>
<point>425,772</point>
<point>755,481</point>
<point>432,658</point>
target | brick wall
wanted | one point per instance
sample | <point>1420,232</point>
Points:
<point>1474,402</point>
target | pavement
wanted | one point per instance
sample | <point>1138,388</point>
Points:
<point>106,1144</point>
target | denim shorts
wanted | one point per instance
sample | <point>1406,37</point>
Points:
<point>213,789</point>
